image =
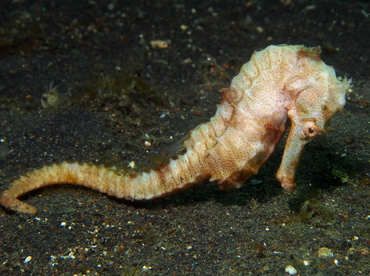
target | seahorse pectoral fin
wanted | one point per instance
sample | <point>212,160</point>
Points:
<point>292,154</point>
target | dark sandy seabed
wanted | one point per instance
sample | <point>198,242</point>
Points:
<point>81,81</point>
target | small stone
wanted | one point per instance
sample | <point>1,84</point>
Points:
<point>159,44</point>
<point>132,165</point>
<point>184,27</point>
<point>325,252</point>
<point>290,270</point>
<point>28,259</point>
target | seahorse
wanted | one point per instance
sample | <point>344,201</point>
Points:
<point>279,82</point>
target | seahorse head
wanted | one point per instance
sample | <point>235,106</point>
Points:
<point>315,94</point>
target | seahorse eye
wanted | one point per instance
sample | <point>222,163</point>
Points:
<point>311,130</point>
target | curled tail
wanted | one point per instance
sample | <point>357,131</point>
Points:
<point>176,176</point>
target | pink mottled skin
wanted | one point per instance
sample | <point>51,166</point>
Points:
<point>279,82</point>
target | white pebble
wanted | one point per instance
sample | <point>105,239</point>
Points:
<point>290,270</point>
<point>28,259</point>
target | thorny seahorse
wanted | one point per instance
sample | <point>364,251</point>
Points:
<point>278,82</point>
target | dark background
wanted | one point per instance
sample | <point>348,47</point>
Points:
<point>80,81</point>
